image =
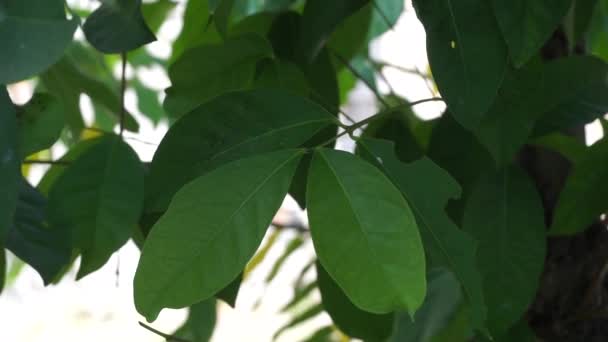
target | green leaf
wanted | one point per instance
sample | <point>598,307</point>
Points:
<point>66,81</point>
<point>228,128</point>
<point>527,24</point>
<point>440,305</point>
<point>582,199</point>
<point>196,29</point>
<point>220,14</point>
<point>201,322</point>
<point>582,18</point>
<point>117,26</point>
<point>444,243</point>
<point>40,123</point>
<point>300,294</point>
<point>156,13</point>
<point>353,207</point>
<point>467,54</point>
<point>351,320</point>
<point>207,71</point>
<point>229,293</point>
<point>568,146</point>
<point>9,172</point>
<point>521,100</point>
<point>185,259</point>
<point>505,214</point>
<point>34,35</point>
<point>576,89</point>
<point>322,335</point>
<point>385,16</point>
<point>351,35</point>
<point>279,74</point>
<point>56,170</point>
<point>46,250</point>
<point>99,199</point>
<point>319,19</point>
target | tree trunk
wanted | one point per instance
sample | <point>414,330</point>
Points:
<point>571,301</point>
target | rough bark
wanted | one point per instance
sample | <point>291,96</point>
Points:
<point>571,303</point>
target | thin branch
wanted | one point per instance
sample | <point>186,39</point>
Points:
<point>297,226</point>
<point>414,71</point>
<point>169,338</point>
<point>360,77</point>
<point>352,128</point>
<point>98,130</point>
<point>47,162</point>
<point>390,25</point>
<point>123,89</point>
<point>383,77</point>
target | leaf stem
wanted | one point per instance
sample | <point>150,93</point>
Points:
<point>44,161</point>
<point>169,338</point>
<point>123,89</point>
<point>360,77</point>
<point>352,128</point>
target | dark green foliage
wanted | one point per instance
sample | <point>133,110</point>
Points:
<point>430,230</point>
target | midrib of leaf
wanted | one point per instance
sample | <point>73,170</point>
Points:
<point>101,194</point>
<point>261,136</point>
<point>220,231</point>
<point>459,46</point>
<point>372,252</point>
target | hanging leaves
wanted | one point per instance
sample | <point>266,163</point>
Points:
<point>354,207</point>
<point>445,244</point>
<point>230,127</point>
<point>468,77</point>
<point>98,199</point>
<point>187,259</point>
<point>505,214</point>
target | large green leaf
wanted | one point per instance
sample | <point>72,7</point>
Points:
<point>441,303</point>
<point>99,199</point>
<point>527,24</point>
<point>117,26</point>
<point>467,54</point>
<point>9,171</point>
<point>210,231</point>
<point>48,251</point>
<point>207,71</point>
<point>201,322</point>
<point>34,34</point>
<point>156,13</point>
<point>356,213</point>
<point>40,123</point>
<point>521,100</point>
<point>350,319</point>
<point>228,128</point>
<point>505,214</point>
<point>385,16</point>
<point>319,19</point>
<point>583,198</point>
<point>445,244</point>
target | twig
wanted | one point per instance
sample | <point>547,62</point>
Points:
<point>297,226</point>
<point>123,89</point>
<point>360,77</point>
<point>44,161</point>
<point>414,71</point>
<point>169,338</point>
<point>352,128</point>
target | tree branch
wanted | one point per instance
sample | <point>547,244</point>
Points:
<point>169,338</point>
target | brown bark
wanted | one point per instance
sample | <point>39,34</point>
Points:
<point>571,303</point>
